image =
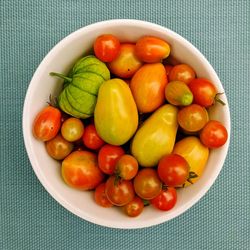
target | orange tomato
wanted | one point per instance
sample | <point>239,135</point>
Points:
<point>126,64</point>
<point>80,170</point>
<point>148,87</point>
<point>151,49</point>
<point>183,73</point>
<point>47,123</point>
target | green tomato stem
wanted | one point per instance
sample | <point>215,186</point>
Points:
<point>67,79</point>
<point>217,99</point>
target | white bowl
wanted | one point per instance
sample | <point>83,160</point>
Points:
<point>60,59</point>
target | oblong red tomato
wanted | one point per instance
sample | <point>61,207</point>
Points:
<point>80,170</point>
<point>126,63</point>
<point>47,123</point>
<point>151,49</point>
<point>148,87</point>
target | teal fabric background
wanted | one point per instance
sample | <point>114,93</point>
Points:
<point>30,218</point>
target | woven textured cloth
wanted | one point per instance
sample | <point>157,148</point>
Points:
<point>30,218</point>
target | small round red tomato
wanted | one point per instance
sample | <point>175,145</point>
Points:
<point>134,207</point>
<point>119,192</point>
<point>91,139</point>
<point>182,72</point>
<point>168,69</point>
<point>107,47</point>
<point>173,170</point>
<point>80,170</point>
<point>127,167</point>
<point>214,134</point>
<point>166,200</point>
<point>108,157</point>
<point>126,64</point>
<point>58,148</point>
<point>151,49</point>
<point>204,92</point>
<point>47,123</point>
<point>147,183</point>
<point>72,129</point>
<point>101,197</point>
<point>192,118</point>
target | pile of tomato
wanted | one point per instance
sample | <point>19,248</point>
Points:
<point>89,163</point>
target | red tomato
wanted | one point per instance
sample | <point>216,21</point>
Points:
<point>148,87</point>
<point>192,118</point>
<point>58,148</point>
<point>127,167</point>
<point>80,170</point>
<point>204,92</point>
<point>126,64</point>
<point>47,123</point>
<point>134,207</point>
<point>107,47</point>
<point>214,134</point>
<point>91,139</point>
<point>119,192</point>
<point>108,157</point>
<point>147,183</point>
<point>168,69</point>
<point>72,129</point>
<point>182,72</point>
<point>151,49</point>
<point>166,200</point>
<point>101,197</point>
<point>173,170</point>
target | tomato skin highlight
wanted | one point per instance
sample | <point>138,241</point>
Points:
<point>183,73</point>
<point>214,134</point>
<point>134,207</point>
<point>80,170</point>
<point>119,192</point>
<point>127,63</point>
<point>151,49</point>
<point>166,200</point>
<point>101,197</point>
<point>107,47</point>
<point>147,184</point>
<point>204,92</point>
<point>47,123</point>
<point>91,139</point>
<point>108,157</point>
<point>173,170</point>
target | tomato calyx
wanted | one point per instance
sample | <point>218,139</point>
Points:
<point>217,99</point>
<point>191,176</point>
<point>146,202</point>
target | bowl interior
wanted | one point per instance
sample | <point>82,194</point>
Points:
<point>60,59</point>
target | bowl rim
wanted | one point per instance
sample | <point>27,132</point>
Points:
<point>34,162</point>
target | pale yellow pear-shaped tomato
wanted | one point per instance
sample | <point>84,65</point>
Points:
<point>156,137</point>
<point>116,115</point>
<point>195,153</point>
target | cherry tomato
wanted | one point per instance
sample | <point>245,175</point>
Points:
<point>72,129</point>
<point>173,170</point>
<point>214,134</point>
<point>108,156</point>
<point>147,183</point>
<point>101,197</point>
<point>80,170</point>
<point>127,167</point>
<point>126,64</point>
<point>58,148</point>
<point>182,72</point>
<point>151,49</point>
<point>119,192</point>
<point>168,69</point>
<point>204,92</point>
<point>107,47</point>
<point>91,139</point>
<point>192,118</point>
<point>166,200</point>
<point>47,123</point>
<point>134,207</point>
